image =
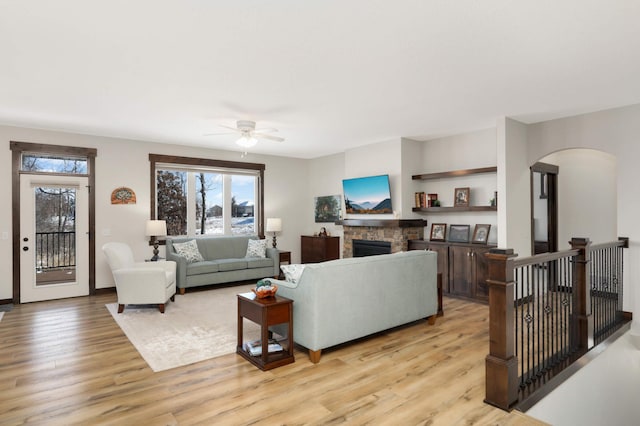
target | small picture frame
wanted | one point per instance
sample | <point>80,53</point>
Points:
<point>461,197</point>
<point>438,232</point>
<point>459,233</point>
<point>481,234</point>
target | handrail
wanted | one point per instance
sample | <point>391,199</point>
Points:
<point>547,310</point>
<point>543,257</point>
<point>624,243</point>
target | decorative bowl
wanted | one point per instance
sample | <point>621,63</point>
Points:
<point>265,291</point>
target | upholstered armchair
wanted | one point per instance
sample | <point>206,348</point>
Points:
<point>140,283</point>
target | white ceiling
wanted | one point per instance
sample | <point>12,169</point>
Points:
<point>329,74</point>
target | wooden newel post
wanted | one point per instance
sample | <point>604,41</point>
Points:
<point>501,363</point>
<point>584,336</point>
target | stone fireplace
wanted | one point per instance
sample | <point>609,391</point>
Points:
<point>396,231</point>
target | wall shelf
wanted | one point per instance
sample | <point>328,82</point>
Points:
<point>455,173</point>
<point>454,209</point>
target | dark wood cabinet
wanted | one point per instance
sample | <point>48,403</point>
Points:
<point>460,268</point>
<point>319,249</point>
<point>464,267</point>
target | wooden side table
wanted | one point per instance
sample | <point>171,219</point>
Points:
<point>285,256</point>
<point>266,312</point>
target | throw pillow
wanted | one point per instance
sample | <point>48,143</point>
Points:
<point>292,273</point>
<point>189,250</point>
<point>257,248</point>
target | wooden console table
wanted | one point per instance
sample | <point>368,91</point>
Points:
<point>266,312</point>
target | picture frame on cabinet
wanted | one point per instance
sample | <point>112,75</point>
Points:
<point>481,234</point>
<point>459,233</point>
<point>461,197</point>
<point>438,232</point>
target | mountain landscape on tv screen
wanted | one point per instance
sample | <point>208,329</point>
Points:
<point>368,207</point>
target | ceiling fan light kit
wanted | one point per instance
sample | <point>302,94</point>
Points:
<point>246,141</point>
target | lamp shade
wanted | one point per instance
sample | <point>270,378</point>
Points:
<point>274,224</point>
<point>156,228</point>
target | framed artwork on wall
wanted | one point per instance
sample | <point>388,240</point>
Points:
<point>481,234</point>
<point>438,232</point>
<point>461,197</point>
<point>459,233</point>
<point>328,208</point>
<point>123,195</point>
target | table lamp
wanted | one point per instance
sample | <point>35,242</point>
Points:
<point>274,225</point>
<point>155,229</point>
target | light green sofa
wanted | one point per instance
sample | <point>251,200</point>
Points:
<point>346,299</point>
<point>224,262</point>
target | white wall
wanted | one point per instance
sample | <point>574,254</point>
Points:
<point>325,178</point>
<point>121,162</point>
<point>587,196</point>
<point>378,159</point>
<point>411,164</point>
<point>514,203</point>
<point>616,131</point>
<point>466,151</point>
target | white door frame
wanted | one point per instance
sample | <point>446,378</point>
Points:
<point>79,286</point>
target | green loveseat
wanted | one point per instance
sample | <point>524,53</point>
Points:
<point>225,261</point>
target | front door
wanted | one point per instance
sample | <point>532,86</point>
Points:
<point>54,239</point>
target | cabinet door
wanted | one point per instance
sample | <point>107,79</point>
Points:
<point>460,271</point>
<point>310,249</point>
<point>480,273</point>
<point>332,248</point>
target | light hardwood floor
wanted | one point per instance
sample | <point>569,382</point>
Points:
<point>67,362</point>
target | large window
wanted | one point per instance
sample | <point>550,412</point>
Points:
<point>207,197</point>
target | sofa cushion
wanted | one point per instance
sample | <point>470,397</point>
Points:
<point>257,248</point>
<point>231,264</point>
<point>292,273</point>
<point>205,267</point>
<point>256,262</point>
<point>189,250</point>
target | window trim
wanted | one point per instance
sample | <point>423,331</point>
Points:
<point>158,161</point>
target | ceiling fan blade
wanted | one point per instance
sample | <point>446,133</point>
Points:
<point>219,134</point>
<point>266,130</point>
<point>270,137</point>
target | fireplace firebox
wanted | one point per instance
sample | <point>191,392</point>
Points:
<point>363,248</point>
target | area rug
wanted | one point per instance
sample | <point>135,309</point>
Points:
<point>197,326</point>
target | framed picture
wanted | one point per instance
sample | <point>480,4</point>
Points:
<point>480,234</point>
<point>438,232</point>
<point>328,208</point>
<point>459,233</point>
<point>123,195</point>
<point>461,197</point>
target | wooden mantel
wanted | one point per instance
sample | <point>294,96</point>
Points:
<point>384,223</point>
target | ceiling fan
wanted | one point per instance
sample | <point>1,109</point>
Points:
<point>249,135</point>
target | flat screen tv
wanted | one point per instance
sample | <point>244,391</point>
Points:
<point>367,195</point>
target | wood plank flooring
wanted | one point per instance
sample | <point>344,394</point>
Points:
<point>67,362</point>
